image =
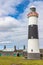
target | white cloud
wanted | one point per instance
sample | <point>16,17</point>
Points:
<point>8,6</point>
<point>5,42</point>
<point>11,30</point>
<point>8,21</point>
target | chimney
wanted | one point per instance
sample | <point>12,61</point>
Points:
<point>14,48</point>
<point>24,47</point>
<point>4,46</point>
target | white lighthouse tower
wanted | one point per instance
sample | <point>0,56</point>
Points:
<point>33,39</point>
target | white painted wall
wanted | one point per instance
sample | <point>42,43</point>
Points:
<point>33,20</point>
<point>33,44</point>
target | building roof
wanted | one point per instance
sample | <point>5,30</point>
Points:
<point>8,49</point>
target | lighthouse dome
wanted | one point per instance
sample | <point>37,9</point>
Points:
<point>33,8</point>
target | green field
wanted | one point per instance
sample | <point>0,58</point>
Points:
<point>7,60</point>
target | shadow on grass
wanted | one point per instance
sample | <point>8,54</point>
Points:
<point>25,64</point>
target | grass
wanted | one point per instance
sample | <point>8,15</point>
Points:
<point>10,60</point>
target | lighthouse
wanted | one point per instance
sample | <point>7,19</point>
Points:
<point>33,39</point>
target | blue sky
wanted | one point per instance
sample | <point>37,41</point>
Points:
<point>14,22</point>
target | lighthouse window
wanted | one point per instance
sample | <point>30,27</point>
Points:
<point>31,37</point>
<point>31,50</point>
<point>31,25</point>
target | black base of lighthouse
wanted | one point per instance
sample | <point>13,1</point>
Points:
<point>33,56</point>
